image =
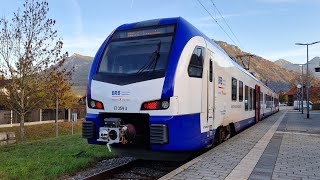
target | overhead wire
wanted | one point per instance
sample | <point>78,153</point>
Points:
<point>213,4</point>
<point>216,21</point>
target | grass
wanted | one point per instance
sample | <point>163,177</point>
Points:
<point>44,156</point>
<point>50,158</point>
<point>44,131</point>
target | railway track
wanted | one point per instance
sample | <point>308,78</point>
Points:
<point>137,169</point>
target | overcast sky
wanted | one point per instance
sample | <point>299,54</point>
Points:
<point>268,28</point>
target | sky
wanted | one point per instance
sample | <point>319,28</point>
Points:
<point>268,28</point>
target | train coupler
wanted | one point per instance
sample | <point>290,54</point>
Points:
<point>115,131</point>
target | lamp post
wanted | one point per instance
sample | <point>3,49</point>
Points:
<point>301,88</point>
<point>299,96</point>
<point>308,44</point>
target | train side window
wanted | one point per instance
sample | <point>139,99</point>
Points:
<point>254,97</point>
<point>210,71</point>
<point>276,102</point>
<point>268,101</point>
<point>195,67</point>
<point>234,89</point>
<point>251,97</point>
<point>240,91</point>
<point>246,97</point>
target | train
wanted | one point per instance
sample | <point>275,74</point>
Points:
<point>161,88</point>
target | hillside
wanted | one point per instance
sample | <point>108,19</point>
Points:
<point>277,77</point>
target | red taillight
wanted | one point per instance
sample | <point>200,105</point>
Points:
<point>93,104</point>
<point>99,105</point>
<point>150,105</point>
<point>160,104</point>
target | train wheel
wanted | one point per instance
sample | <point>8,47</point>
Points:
<point>227,132</point>
<point>232,130</point>
<point>222,134</point>
<point>217,139</point>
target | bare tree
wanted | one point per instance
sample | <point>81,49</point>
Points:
<point>29,46</point>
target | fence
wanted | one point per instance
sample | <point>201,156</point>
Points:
<point>8,117</point>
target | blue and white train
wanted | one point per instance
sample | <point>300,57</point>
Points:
<point>161,86</point>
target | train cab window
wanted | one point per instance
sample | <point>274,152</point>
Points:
<point>246,98</point>
<point>136,55</point>
<point>196,63</point>
<point>234,89</point>
<point>240,91</point>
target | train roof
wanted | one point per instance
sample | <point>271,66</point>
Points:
<point>192,31</point>
<point>166,21</point>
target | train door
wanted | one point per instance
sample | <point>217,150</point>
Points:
<point>257,103</point>
<point>207,107</point>
<point>204,124</point>
<point>210,91</point>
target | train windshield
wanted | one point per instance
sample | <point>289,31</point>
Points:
<point>137,55</point>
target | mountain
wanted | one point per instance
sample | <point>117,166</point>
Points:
<point>288,65</point>
<point>81,66</point>
<point>277,78</point>
<point>313,63</point>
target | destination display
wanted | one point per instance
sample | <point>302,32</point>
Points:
<point>143,32</point>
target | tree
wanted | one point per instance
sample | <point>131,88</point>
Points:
<point>60,92</point>
<point>29,46</point>
<point>283,98</point>
<point>315,90</point>
<point>302,79</point>
<point>314,85</point>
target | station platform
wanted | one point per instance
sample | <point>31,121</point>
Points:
<point>284,146</point>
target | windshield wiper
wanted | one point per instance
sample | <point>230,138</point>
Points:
<point>152,62</point>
